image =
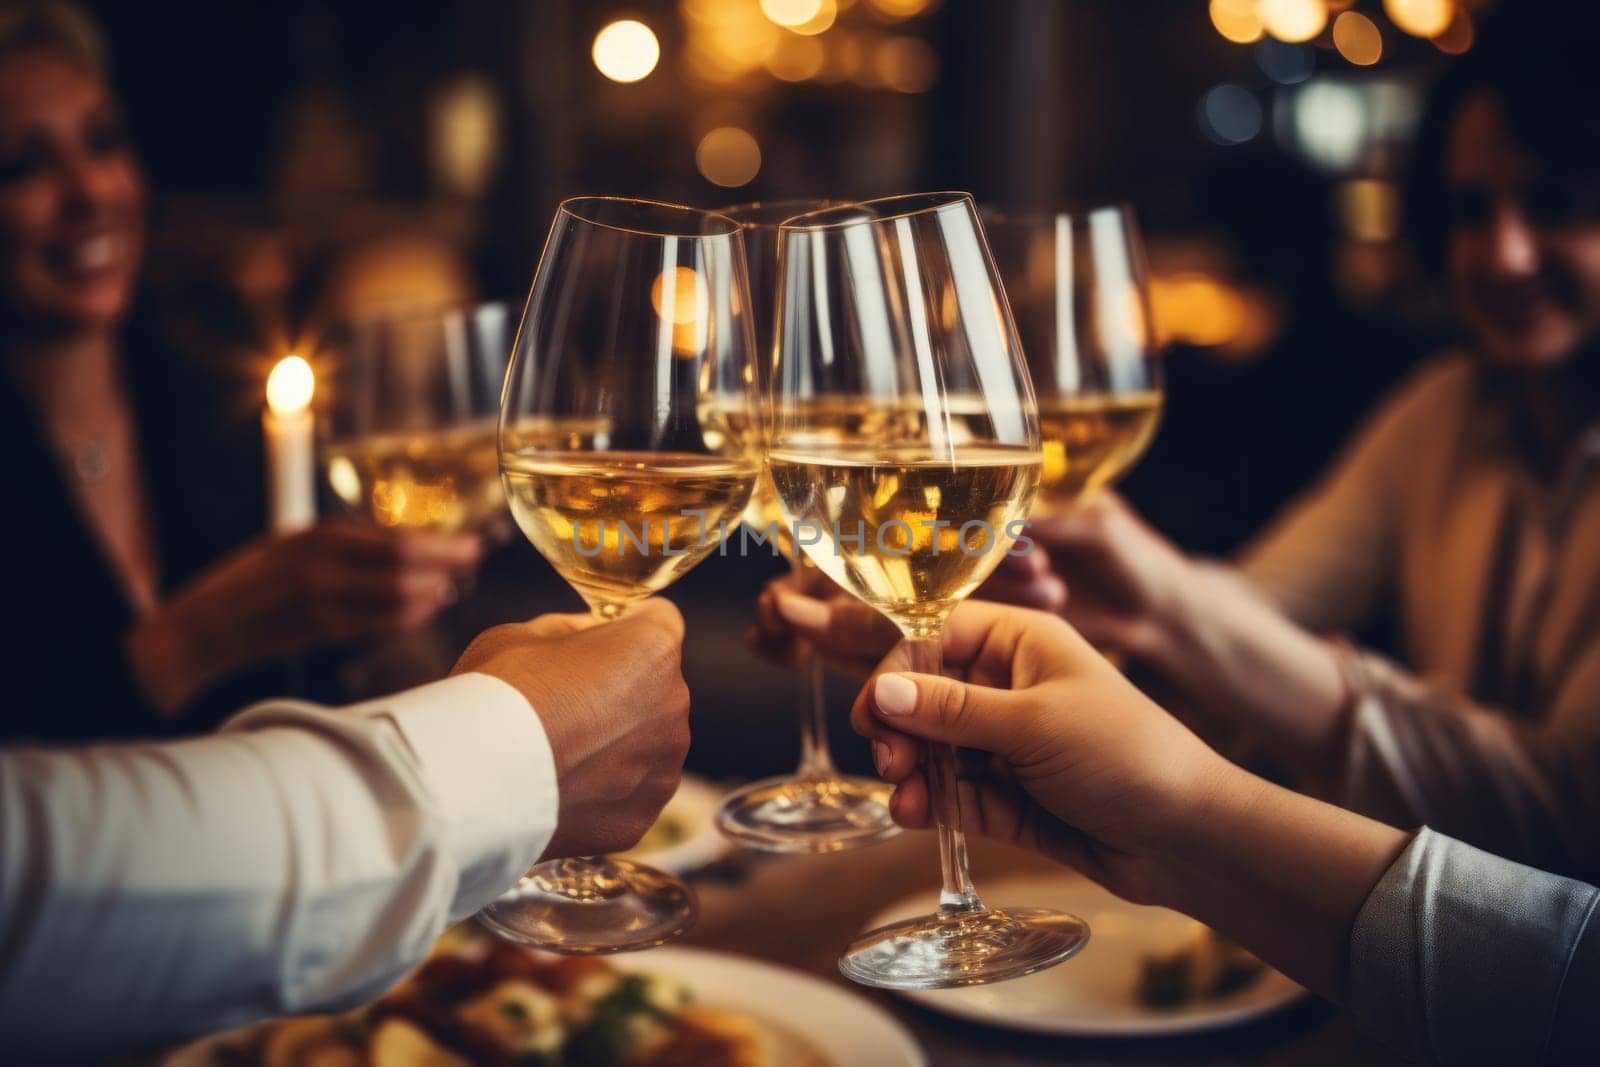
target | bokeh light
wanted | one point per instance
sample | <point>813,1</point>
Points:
<point>1286,64</point>
<point>728,156</point>
<point>796,59</point>
<point>1236,20</point>
<point>907,64</point>
<point>1369,209</point>
<point>1330,123</point>
<point>1293,20</point>
<point>1358,38</point>
<point>1420,18</point>
<point>1458,36</point>
<point>901,9</point>
<point>791,12</point>
<point>626,50</point>
<point>1230,114</point>
<point>826,12</point>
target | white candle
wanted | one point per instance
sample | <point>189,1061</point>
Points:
<point>291,447</point>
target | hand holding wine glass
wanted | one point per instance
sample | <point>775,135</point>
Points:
<point>905,445</point>
<point>635,328</point>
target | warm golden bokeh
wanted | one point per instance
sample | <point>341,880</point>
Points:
<point>1420,18</point>
<point>1292,20</point>
<point>1236,20</point>
<point>728,156</point>
<point>626,50</point>
<point>1358,38</point>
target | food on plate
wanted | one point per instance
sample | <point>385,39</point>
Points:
<point>1205,967</point>
<point>479,1001</point>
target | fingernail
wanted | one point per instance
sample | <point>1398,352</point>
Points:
<point>880,757</point>
<point>895,694</point>
<point>803,611</point>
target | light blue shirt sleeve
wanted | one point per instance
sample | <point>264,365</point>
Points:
<point>1461,957</point>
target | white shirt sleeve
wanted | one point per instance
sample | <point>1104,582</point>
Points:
<point>303,858</point>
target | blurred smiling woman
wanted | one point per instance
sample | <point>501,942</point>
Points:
<point>1468,503</point>
<point>126,511</point>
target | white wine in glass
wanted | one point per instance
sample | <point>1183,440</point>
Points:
<point>408,429</point>
<point>636,325</point>
<point>895,307</point>
<point>1080,295</point>
<point>816,808</point>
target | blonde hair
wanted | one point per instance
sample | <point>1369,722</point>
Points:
<point>54,24</point>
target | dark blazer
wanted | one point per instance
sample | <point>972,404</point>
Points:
<point>67,677</point>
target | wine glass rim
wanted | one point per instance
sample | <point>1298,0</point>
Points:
<point>782,210</point>
<point>993,216</point>
<point>901,206</point>
<point>589,209</point>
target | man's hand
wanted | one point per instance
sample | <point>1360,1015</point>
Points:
<point>615,708</point>
<point>800,614</point>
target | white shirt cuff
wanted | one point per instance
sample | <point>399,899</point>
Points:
<point>488,763</point>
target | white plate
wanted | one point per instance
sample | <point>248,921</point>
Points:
<point>695,806</point>
<point>845,1028</point>
<point>1094,993</point>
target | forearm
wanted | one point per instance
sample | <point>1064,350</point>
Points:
<point>302,859</point>
<point>170,666</point>
<point>1252,667</point>
<point>1283,873</point>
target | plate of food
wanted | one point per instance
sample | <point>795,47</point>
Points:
<point>479,1002</point>
<point>684,836</point>
<point>1145,971</point>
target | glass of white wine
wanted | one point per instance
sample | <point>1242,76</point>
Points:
<point>815,809</point>
<point>407,432</point>
<point>1080,294</point>
<point>636,324</point>
<point>905,445</point>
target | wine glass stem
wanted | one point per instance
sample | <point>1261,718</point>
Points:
<point>600,869</point>
<point>815,760</point>
<point>956,893</point>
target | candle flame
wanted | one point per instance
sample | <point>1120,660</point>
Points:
<point>290,385</point>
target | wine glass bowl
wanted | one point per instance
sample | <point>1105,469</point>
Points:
<point>1079,291</point>
<point>625,450</point>
<point>905,444</point>
<point>407,418</point>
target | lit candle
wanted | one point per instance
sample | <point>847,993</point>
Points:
<point>290,438</point>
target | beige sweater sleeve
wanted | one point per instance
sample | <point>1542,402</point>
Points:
<point>1330,557</point>
<point>1529,791</point>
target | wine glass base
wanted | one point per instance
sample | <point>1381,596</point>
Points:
<point>952,948</point>
<point>828,814</point>
<point>580,909</point>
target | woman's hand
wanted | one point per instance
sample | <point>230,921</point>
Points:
<point>282,595</point>
<point>1088,771</point>
<point>1085,768</point>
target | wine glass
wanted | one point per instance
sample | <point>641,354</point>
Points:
<point>407,427</point>
<point>638,320</point>
<point>1079,293</point>
<point>815,809</point>
<point>905,445</point>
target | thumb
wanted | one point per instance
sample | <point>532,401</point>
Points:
<point>942,709</point>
